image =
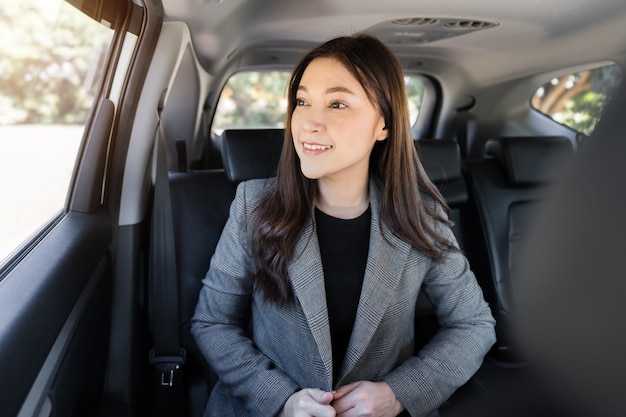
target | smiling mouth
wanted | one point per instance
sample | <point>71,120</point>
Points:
<point>313,147</point>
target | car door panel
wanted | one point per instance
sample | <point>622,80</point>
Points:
<point>55,307</point>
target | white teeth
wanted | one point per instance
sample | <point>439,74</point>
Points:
<point>317,147</point>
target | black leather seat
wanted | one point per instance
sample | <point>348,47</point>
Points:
<point>251,153</point>
<point>200,206</point>
<point>441,160</point>
<point>507,187</point>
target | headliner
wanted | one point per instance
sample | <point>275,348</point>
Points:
<point>526,37</point>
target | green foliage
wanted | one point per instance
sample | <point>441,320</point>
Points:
<point>254,100</point>
<point>49,53</point>
<point>583,112</point>
<point>578,100</point>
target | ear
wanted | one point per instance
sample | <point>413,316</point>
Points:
<point>381,130</point>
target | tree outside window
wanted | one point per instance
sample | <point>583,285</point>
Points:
<point>577,100</point>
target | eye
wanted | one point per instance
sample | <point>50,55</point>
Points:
<point>338,105</point>
<point>300,102</point>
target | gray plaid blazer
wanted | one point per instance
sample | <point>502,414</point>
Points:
<point>264,353</point>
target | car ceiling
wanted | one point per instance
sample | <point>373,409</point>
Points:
<point>490,40</point>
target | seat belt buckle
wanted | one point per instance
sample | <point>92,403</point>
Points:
<point>167,365</point>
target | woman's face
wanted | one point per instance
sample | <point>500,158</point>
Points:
<point>334,125</point>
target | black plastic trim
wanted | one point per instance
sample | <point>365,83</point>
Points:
<point>38,294</point>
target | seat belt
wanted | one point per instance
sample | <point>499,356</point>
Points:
<point>167,356</point>
<point>181,152</point>
<point>461,126</point>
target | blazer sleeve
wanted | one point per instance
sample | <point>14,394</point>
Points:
<point>223,314</point>
<point>423,382</point>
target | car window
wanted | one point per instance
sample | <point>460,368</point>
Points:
<point>254,99</point>
<point>577,100</point>
<point>50,65</point>
<point>415,86</point>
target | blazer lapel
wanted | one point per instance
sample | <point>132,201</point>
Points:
<point>385,263</point>
<point>307,276</point>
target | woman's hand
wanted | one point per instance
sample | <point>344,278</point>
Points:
<point>309,402</point>
<point>364,398</point>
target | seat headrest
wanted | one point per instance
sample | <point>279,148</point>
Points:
<point>251,153</point>
<point>440,158</point>
<point>530,160</point>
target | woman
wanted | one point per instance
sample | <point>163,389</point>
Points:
<point>308,307</point>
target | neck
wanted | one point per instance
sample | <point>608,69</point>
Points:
<point>346,200</point>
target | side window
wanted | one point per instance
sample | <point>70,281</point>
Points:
<point>577,100</point>
<point>254,99</point>
<point>50,65</point>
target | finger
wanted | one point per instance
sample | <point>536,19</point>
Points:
<point>320,396</point>
<point>305,403</point>
<point>342,408</point>
<point>319,403</point>
<point>344,401</point>
<point>321,410</point>
<point>344,390</point>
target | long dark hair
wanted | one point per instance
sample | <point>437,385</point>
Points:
<point>281,217</point>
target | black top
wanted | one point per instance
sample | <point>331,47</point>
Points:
<point>344,246</point>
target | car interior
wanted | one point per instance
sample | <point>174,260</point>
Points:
<point>95,306</point>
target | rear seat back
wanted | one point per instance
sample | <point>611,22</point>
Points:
<point>507,187</point>
<point>200,207</point>
<point>201,202</point>
<point>441,160</point>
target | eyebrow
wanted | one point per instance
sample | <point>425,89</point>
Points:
<point>337,89</point>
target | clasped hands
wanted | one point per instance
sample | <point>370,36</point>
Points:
<point>359,399</point>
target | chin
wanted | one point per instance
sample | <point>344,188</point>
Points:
<point>310,173</point>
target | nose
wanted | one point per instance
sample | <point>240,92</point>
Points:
<point>312,119</point>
